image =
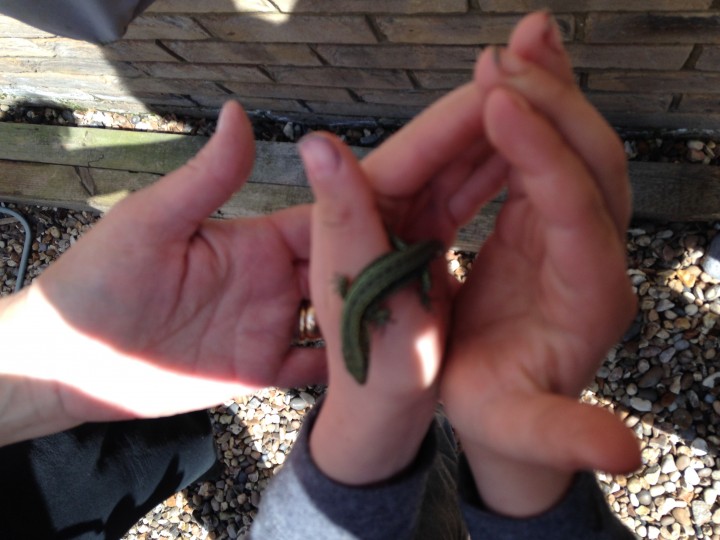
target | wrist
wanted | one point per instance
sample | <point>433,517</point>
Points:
<point>514,488</point>
<point>30,403</point>
<point>359,440</point>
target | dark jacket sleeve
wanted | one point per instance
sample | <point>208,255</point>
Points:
<point>97,21</point>
<point>582,514</point>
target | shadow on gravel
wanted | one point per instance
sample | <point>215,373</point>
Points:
<point>664,378</point>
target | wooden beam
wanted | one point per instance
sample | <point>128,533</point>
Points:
<point>94,147</point>
<point>140,151</point>
<point>87,168</point>
<point>66,187</point>
<point>675,191</point>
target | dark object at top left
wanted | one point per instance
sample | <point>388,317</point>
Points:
<point>97,21</point>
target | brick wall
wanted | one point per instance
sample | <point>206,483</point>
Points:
<point>644,63</point>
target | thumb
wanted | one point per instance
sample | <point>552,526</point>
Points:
<point>566,435</point>
<point>184,198</point>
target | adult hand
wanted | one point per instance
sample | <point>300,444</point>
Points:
<point>158,310</point>
<point>548,294</point>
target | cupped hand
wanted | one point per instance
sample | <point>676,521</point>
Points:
<point>549,293</point>
<point>435,174</point>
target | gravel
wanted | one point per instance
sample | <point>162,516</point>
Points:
<point>662,379</point>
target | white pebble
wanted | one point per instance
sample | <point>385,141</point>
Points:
<point>642,405</point>
<point>691,477</point>
<point>668,464</point>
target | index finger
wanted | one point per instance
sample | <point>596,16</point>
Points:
<point>579,123</point>
<point>434,139</point>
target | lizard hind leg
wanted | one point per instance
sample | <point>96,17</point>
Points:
<point>379,316</point>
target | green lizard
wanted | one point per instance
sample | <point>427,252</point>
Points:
<point>377,281</point>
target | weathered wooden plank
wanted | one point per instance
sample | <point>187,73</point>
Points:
<point>669,192</point>
<point>675,191</point>
<point>101,148</point>
<point>159,153</point>
<point>85,189</point>
<point>82,167</point>
<point>98,189</point>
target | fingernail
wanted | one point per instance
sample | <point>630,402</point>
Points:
<point>553,36</point>
<point>520,101</point>
<point>222,117</point>
<point>321,158</point>
<point>507,62</point>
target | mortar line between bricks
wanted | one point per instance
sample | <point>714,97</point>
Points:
<point>375,29</point>
<point>580,28</point>
<point>320,57</point>
<point>413,79</point>
<point>203,28</point>
<point>675,103</point>
<point>693,58</point>
<point>273,4</point>
<point>266,72</point>
<point>168,50</point>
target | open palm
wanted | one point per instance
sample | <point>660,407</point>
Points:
<point>163,300</point>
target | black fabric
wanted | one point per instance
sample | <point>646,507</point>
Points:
<point>97,480</point>
<point>98,21</point>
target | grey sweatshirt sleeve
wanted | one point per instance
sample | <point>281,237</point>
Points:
<point>582,513</point>
<point>301,502</point>
<point>420,503</point>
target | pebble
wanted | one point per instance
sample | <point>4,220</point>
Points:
<point>701,512</point>
<point>710,380</point>
<point>652,475</point>
<point>691,477</point>
<point>639,404</point>
<point>668,464</point>
<point>711,262</point>
<point>634,485</point>
<point>651,377</point>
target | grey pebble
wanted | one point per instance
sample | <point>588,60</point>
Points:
<point>667,355</point>
<point>645,498</point>
<point>711,262</point>
<point>298,403</point>
<point>642,405</point>
<point>651,377</point>
<point>712,293</point>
